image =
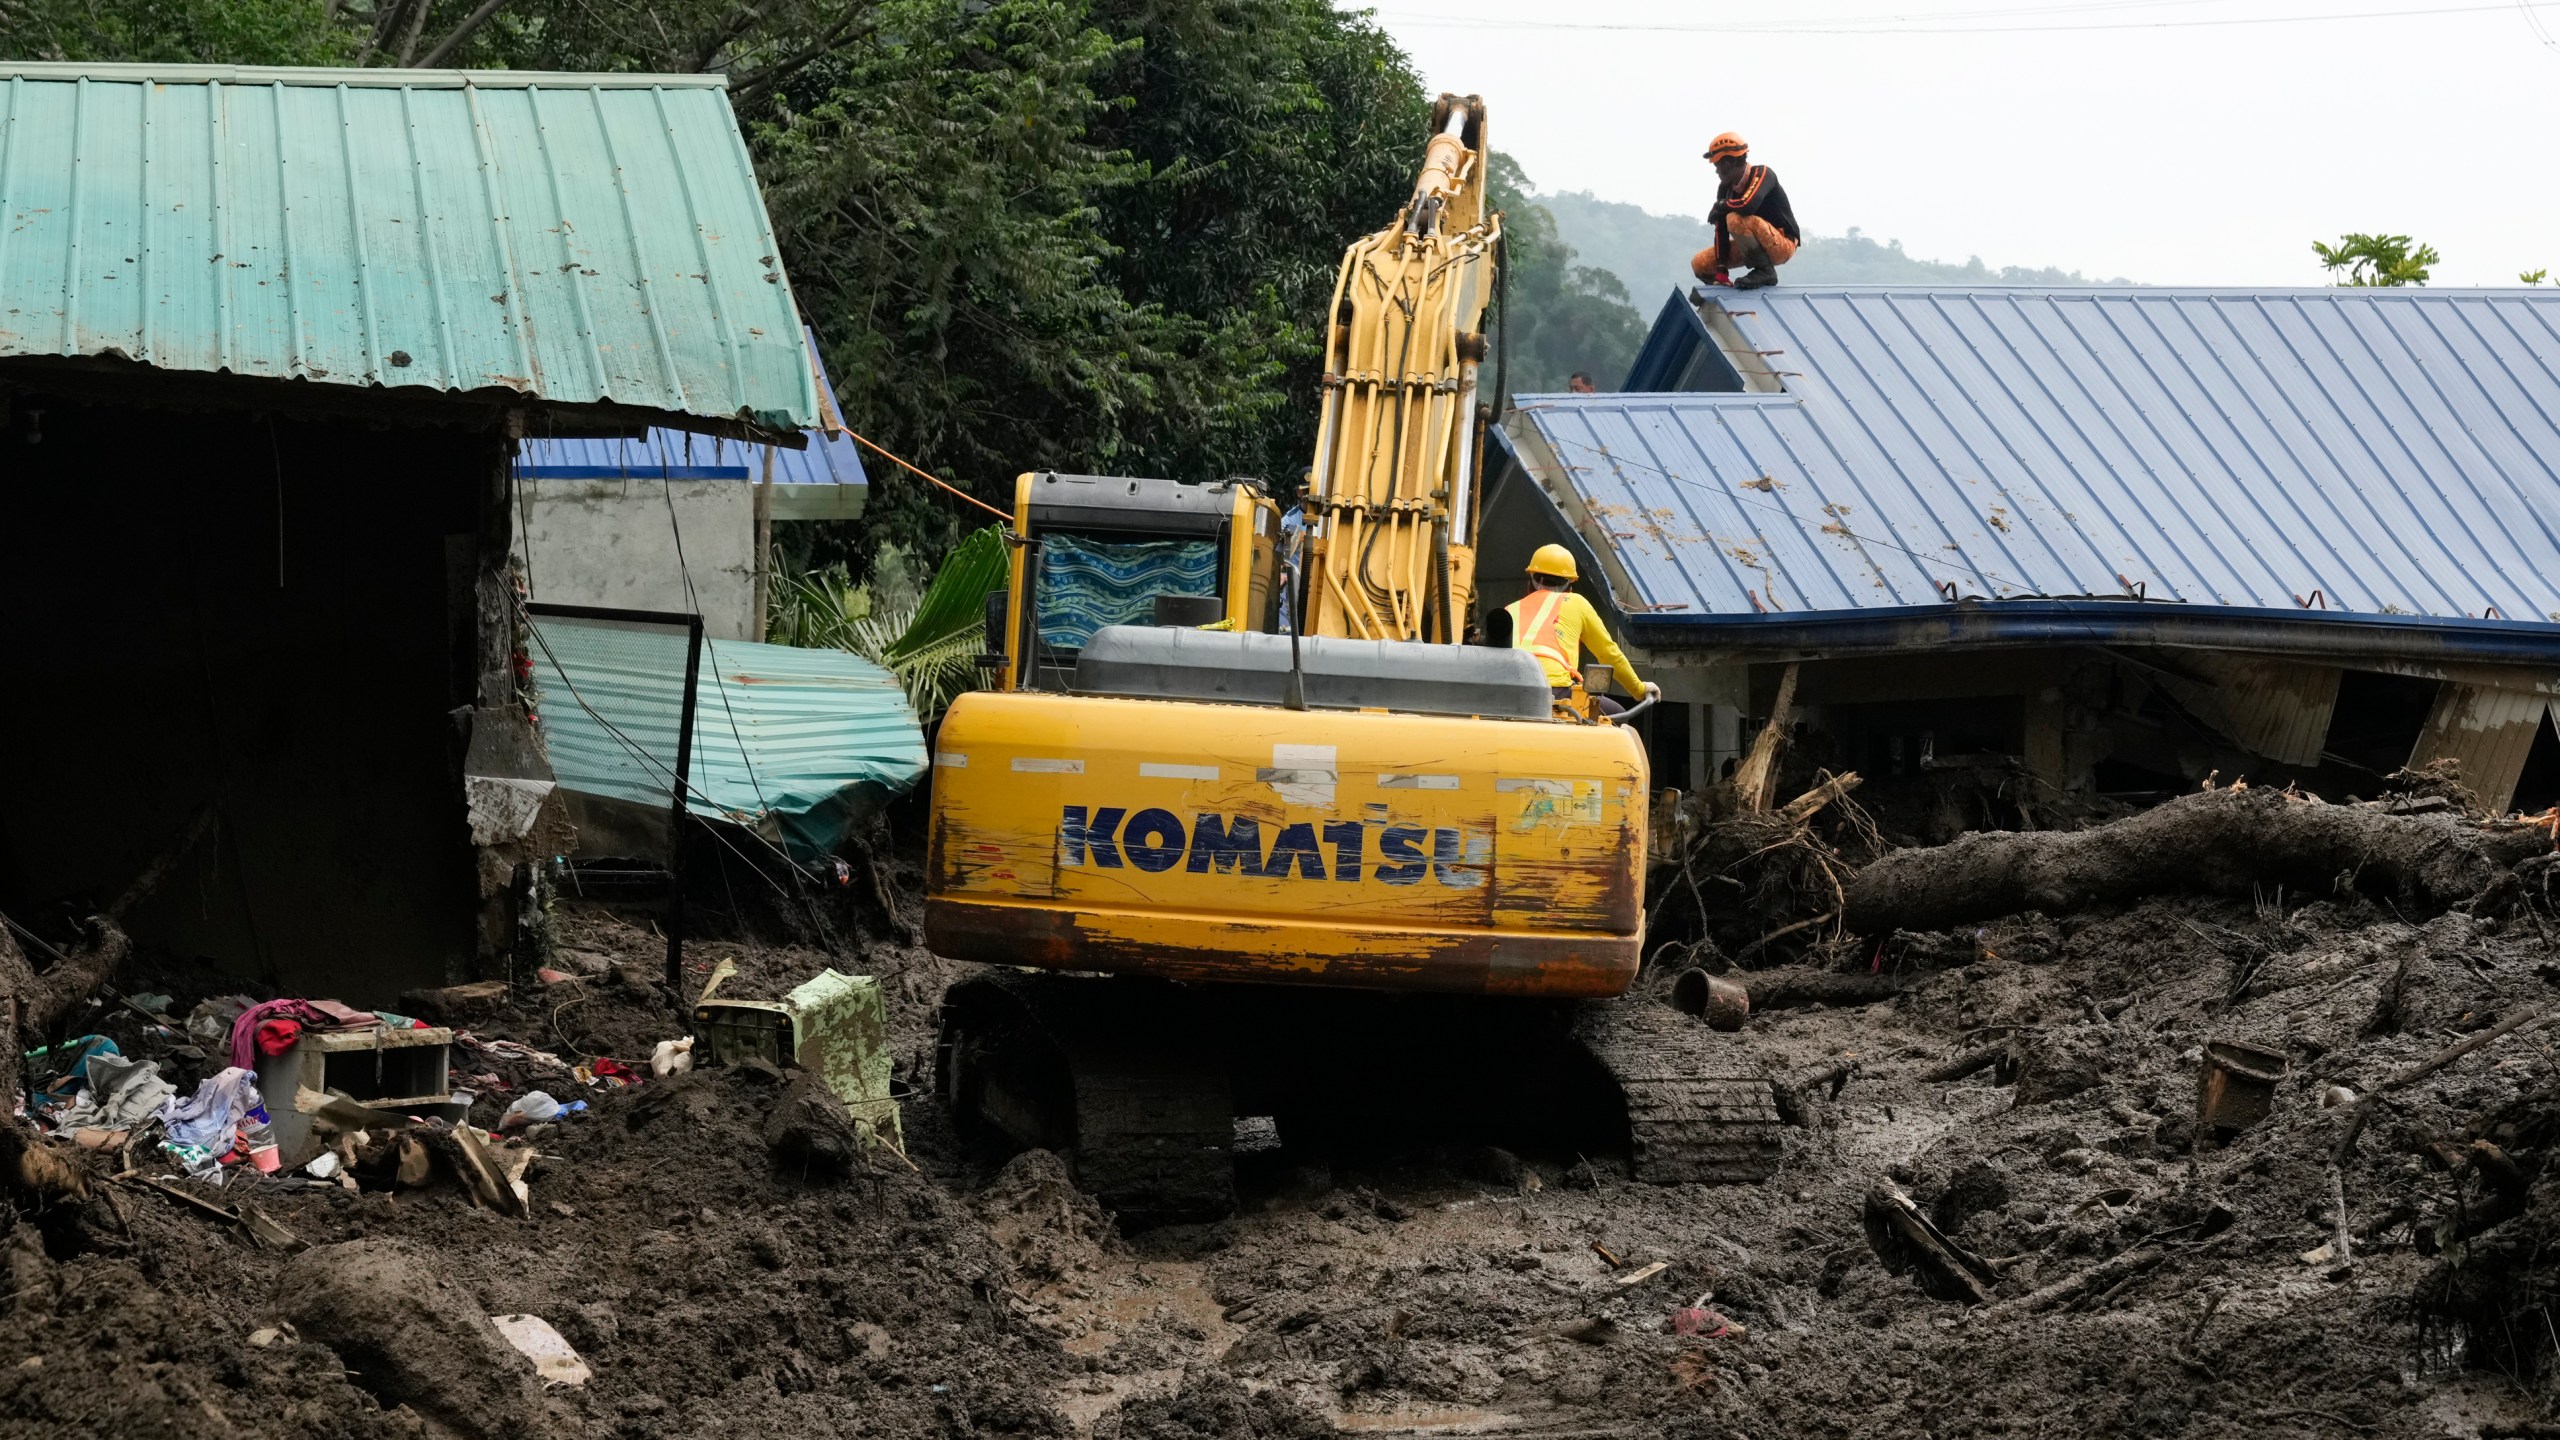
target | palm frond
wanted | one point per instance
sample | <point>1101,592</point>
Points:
<point>930,645</point>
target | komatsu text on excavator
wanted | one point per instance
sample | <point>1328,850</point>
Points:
<point>1352,879</point>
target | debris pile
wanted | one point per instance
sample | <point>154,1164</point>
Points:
<point>2233,1117</point>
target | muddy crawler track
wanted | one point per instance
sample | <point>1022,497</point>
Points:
<point>1697,1111</point>
<point>1148,1117</point>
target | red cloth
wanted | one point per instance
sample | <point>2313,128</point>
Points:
<point>244,1031</point>
<point>277,1036</point>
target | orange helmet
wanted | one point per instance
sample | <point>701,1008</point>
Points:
<point>1726,144</point>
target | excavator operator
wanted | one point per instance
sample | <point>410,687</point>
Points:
<point>1755,225</point>
<point>1554,624</point>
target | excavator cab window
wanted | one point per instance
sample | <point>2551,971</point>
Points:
<point>1103,549</point>
<point>1086,583</point>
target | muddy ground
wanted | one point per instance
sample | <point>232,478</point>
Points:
<point>719,1286</point>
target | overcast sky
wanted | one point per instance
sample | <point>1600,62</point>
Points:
<point>2171,147</point>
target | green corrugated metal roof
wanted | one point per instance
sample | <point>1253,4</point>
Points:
<point>787,741</point>
<point>576,239</point>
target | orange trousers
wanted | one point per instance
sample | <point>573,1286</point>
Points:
<point>1756,242</point>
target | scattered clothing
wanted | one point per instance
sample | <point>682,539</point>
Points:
<point>211,1117</point>
<point>71,1055</point>
<point>244,1031</point>
<point>122,1092</point>
<point>277,1036</point>
<point>607,1071</point>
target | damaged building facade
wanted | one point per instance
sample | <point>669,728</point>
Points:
<point>268,342</point>
<point>2075,542</point>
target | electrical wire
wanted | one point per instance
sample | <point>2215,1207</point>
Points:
<point>1470,22</point>
<point>2533,22</point>
<point>720,687</point>
<point>900,462</point>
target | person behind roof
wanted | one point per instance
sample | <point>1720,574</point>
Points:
<point>1581,384</point>
<point>1556,625</point>
<point>1755,226</point>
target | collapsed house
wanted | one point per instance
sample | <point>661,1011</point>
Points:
<point>267,341</point>
<point>2090,541</point>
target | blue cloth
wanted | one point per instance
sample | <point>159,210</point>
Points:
<point>1087,584</point>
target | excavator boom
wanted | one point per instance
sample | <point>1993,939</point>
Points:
<point>1391,503</point>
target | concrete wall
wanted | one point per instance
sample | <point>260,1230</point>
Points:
<point>613,542</point>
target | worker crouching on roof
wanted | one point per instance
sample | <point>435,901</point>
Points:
<point>1554,624</point>
<point>1755,226</point>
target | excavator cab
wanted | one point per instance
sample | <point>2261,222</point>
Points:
<point>1094,551</point>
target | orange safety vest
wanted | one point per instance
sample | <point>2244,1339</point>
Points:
<point>1534,629</point>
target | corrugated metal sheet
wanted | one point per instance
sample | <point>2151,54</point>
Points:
<point>2277,708</point>
<point>793,743</point>
<point>677,455</point>
<point>2381,452</point>
<point>2486,729</point>
<point>831,458</point>
<point>580,239</point>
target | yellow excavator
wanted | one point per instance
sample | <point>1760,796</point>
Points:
<point>1256,850</point>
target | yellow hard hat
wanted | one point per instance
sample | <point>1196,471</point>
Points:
<point>1554,560</point>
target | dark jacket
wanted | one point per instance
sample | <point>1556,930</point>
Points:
<point>1757,193</point>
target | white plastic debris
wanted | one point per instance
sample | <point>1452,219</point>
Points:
<point>552,1358</point>
<point>672,1057</point>
<point>322,1166</point>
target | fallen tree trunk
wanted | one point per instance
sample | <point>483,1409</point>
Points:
<point>30,1003</point>
<point>2220,842</point>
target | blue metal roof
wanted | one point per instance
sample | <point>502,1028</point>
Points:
<point>831,459</point>
<point>575,240</point>
<point>2262,456</point>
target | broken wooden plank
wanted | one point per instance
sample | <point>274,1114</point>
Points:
<point>1905,1239</point>
<point>1638,1277</point>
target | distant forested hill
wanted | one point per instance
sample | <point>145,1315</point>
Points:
<point>1650,254</point>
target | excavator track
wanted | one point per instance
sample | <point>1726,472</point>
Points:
<point>1136,1083</point>
<point>1110,1073</point>
<point>1696,1114</point>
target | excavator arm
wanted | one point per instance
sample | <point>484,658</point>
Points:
<point>1391,500</point>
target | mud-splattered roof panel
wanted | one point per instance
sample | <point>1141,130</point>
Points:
<point>586,240</point>
<point>2382,453</point>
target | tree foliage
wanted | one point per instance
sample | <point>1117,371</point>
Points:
<point>1084,234</point>
<point>1562,316</point>
<point>2362,260</point>
<point>176,32</point>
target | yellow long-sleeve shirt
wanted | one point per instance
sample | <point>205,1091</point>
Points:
<point>1557,626</point>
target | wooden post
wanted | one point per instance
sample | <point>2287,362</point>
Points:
<point>764,543</point>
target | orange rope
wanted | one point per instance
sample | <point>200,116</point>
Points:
<point>895,459</point>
